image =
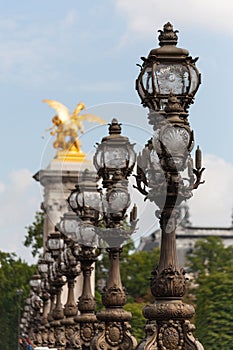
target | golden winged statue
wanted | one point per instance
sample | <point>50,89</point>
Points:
<point>66,126</point>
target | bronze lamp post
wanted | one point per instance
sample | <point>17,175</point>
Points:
<point>43,269</point>
<point>36,304</point>
<point>114,160</point>
<point>166,84</point>
<point>56,336</point>
<point>85,202</point>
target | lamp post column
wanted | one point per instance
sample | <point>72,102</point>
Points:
<point>114,161</point>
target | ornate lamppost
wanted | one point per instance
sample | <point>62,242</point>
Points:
<point>36,304</point>
<point>48,333</point>
<point>85,201</point>
<point>114,161</point>
<point>43,269</point>
<point>167,83</point>
<point>55,245</point>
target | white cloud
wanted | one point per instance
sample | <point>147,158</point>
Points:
<point>21,180</point>
<point>34,53</point>
<point>144,16</point>
<point>212,202</point>
<point>2,187</point>
<point>210,206</point>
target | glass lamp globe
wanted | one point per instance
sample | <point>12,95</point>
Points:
<point>85,200</point>
<point>69,225</point>
<point>114,152</point>
<point>35,282</point>
<point>87,236</point>
<point>118,200</point>
<point>173,146</point>
<point>48,257</point>
<point>55,243</point>
<point>168,70</point>
<point>42,266</point>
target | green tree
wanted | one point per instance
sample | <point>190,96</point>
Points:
<point>212,264</point>
<point>210,255</point>
<point>34,237</point>
<point>138,321</point>
<point>136,271</point>
<point>14,275</point>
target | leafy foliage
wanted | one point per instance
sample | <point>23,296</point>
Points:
<point>136,272</point>
<point>212,264</point>
<point>34,237</point>
<point>138,321</point>
<point>209,256</point>
<point>14,275</point>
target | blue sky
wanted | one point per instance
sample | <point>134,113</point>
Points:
<point>87,51</point>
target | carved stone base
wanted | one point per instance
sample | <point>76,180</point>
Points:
<point>44,335</point>
<point>51,336</point>
<point>87,328</point>
<point>168,327</point>
<point>113,331</point>
<point>59,334</point>
<point>71,329</point>
<point>38,338</point>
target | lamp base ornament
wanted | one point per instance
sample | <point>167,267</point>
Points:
<point>113,331</point>
<point>169,326</point>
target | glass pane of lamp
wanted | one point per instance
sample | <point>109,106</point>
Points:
<point>115,157</point>
<point>48,257</point>
<point>171,78</point>
<point>70,227</point>
<point>72,200</point>
<point>132,157</point>
<point>92,199</point>
<point>147,80</point>
<point>118,200</point>
<point>87,236</point>
<point>43,266</point>
<point>55,243</point>
<point>35,281</point>
<point>194,79</point>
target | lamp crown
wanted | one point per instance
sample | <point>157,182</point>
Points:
<point>168,36</point>
<point>114,127</point>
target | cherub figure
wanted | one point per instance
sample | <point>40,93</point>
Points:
<point>69,125</point>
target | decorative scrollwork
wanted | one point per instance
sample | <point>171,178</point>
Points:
<point>170,336</point>
<point>170,282</point>
<point>72,336</point>
<point>51,336</point>
<point>87,332</point>
<point>167,311</point>
<point>190,342</point>
<point>114,296</point>
<point>114,333</point>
